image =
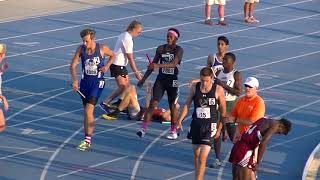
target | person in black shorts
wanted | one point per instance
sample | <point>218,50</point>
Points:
<point>205,124</point>
<point>123,56</point>
<point>167,59</point>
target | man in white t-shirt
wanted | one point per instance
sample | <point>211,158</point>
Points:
<point>248,9</point>
<point>207,13</point>
<point>123,55</point>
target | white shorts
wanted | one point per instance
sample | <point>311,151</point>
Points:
<point>218,2</point>
<point>251,1</point>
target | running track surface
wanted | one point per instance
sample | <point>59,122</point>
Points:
<point>44,123</point>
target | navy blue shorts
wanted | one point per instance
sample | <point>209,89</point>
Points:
<point>92,90</point>
<point>202,131</point>
<point>170,85</point>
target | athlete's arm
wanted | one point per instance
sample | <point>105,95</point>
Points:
<point>133,65</point>
<point>193,81</point>
<point>210,60</point>
<point>236,90</point>
<point>222,109</point>
<point>265,140</point>
<point>176,60</point>
<point>73,69</point>
<point>106,51</point>
<point>186,107</point>
<point>150,69</point>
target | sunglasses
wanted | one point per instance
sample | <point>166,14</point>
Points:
<point>247,86</point>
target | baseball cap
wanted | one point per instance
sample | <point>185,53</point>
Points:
<point>252,82</point>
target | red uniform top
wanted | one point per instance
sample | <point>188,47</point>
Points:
<point>242,151</point>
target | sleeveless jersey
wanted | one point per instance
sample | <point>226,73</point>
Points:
<point>252,136</point>
<point>229,79</point>
<point>216,64</point>
<point>91,64</point>
<point>205,104</point>
<point>167,56</point>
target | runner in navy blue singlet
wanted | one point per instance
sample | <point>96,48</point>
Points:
<point>92,56</point>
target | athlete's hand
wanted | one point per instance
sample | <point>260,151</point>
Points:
<point>217,135</point>
<point>138,75</point>
<point>140,83</point>
<point>75,85</point>
<point>104,69</point>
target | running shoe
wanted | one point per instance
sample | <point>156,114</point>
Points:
<point>222,23</point>
<point>104,108</point>
<point>172,135</point>
<point>216,163</point>
<point>83,146</point>
<point>208,22</point>
<point>110,116</point>
<point>141,133</point>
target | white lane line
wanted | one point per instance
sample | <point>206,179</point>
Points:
<point>293,139</point>
<point>193,59</point>
<point>24,152</point>
<point>224,162</point>
<point>35,104</point>
<point>56,152</point>
<point>304,123</point>
<point>240,30</point>
<point>36,72</point>
<point>289,82</point>
<point>69,11</point>
<point>47,117</point>
<point>165,27</point>
<point>35,94</point>
<point>92,166</point>
<point>176,142</point>
<point>181,175</point>
<point>300,107</point>
<point>26,43</point>
<point>100,22</point>
<point>119,127</point>
<point>272,39</point>
<point>137,164</point>
<point>21,148</point>
<point>281,40</point>
<point>307,171</point>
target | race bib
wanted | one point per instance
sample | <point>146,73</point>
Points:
<point>213,129</point>
<point>91,70</point>
<point>101,84</point>
<point>168,71</point>
<point>175,83</point>
<point>203,112</point>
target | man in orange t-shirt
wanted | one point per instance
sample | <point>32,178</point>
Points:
<point>247,110</point>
